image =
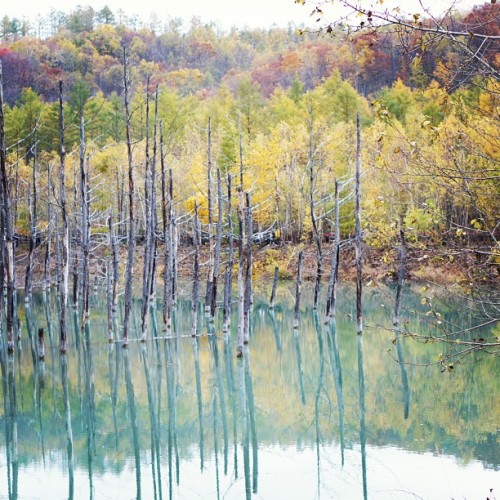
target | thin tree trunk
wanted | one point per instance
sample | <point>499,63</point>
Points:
<point>216,269</point>
<point>298,291</point>
<point>48,250</point>
<point>208,293</point>
<point>85,223</point>
<point>115,257</point>
<point>148,222</point>
<point>359,257</point>
<point>196,273</point>
<point>334,272</point>
<point>241,293</point>
<point>33,216</point>
<point>75,252</point>
<point>65,231</point>
<point>112,278</point>
<point>240,135</point>
<point>316,232</point>
<point>174,238</point>
<point>228,284</point>
<point>131,194</point>
<point>8,235</point>
<point>154,214</point>
<point>167,238</point>
<point>248,271</point>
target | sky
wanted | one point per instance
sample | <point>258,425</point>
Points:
<point>226,13</point>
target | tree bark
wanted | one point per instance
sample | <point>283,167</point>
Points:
<point>228,284</point>
<point>33,218</point>
<point>65,231</point>
<point>131,195</point>
<point>8,235</point>
<point>248,271</point>
<point>358,255</point>
<point>196,273</point>
<point>334,272</point>
<point>218,239</point>
<point>298,291</point>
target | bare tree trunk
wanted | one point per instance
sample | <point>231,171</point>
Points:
<point>334,272</point>
<point>359,257</point>
<point>154,214</point>
<point>174,238</point>
<point>240,135</point>
<point>218,238</point>
<point>146,272</point>
<point>65,231</point>
<point>75,251</point>
<point>167,238</point>
<point>396,320</point>
<point>85,223</point>
<point>298,291</point>
<point>241,293</point>
<point>316,232</point>
<point>109,295</point>
<point>228,282</point>
<point>131,194</point>
<point>48,251</point>
<point>7,232</point>
<point>33,217</point>
<point>248,272</point>
<point>208,293</point>
<point>196,273</point>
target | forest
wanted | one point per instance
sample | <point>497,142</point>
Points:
<point>117,133</point>
<point>250,261</point>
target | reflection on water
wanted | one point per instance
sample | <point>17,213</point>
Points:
<point>307,413</point>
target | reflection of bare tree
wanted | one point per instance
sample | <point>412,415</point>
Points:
<point>133,420</point>
<point>362,411</point>
<point>69,430</point>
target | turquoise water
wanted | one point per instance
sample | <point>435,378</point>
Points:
<point>293,419</point>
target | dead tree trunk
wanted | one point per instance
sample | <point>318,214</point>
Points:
<point>218,239</point>
<point>131,195</point>
<point>33,218</point>
<point>7,232</point>
<point>146,272</point>
<point>115,267</point>
<point>174,238</point>
<point>312,208</point>
<point>298,291</point>
<point>208,293</point>
<point>401,278</point>
<point>241,265</point>
<point>48,249</point>
<point>248,271</point>
<point>75,251</point>
<point>154,214</point>
<point>167,238</point>
<point>65,230</point>
<point>359,257</point>
<point>196,272</point>
<point>334,272</point>
<point>85,222</point>
<point>228,284</point>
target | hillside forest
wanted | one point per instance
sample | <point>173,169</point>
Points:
<point>272,113</point>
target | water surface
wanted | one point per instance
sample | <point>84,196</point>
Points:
<point>310,413</point>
